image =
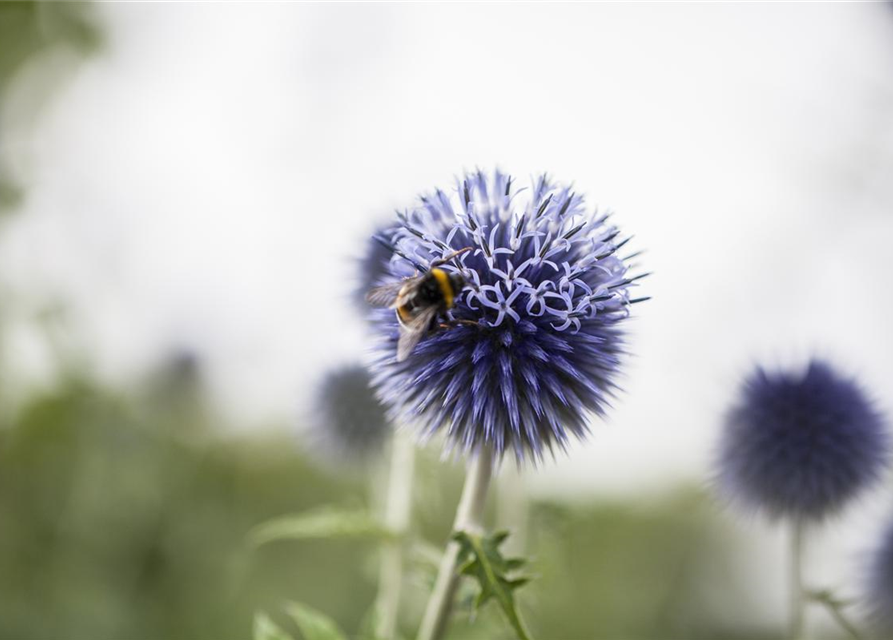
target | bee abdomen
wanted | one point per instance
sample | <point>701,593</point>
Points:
<point>404,313</point>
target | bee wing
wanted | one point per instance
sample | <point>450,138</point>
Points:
<point>413,331</point>
<point>385,295</point>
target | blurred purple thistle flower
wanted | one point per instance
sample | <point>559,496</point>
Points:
<point>536,349</point>
<point>372,265</point>
<point>348,418</point>
<point>801,445</point>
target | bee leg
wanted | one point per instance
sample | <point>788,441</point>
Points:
<point>449,324</point>
<point>446,259</point>
<point>438,327</point>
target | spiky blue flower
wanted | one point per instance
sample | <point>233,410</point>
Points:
<point>539,340</point>
<point>372,265</point>
<point>801,444</point>
<point>879,583</point>
<point>348,418</point>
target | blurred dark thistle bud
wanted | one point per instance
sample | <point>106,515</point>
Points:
<point>533,341</point>
<point>348,419</point>
<point>800,444</point>
<point>372,265</point>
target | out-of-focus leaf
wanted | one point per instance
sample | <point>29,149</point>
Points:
<point>323,522</point>
<point>10,194</point>
<point>424,553</point>
<point>368,626</point>
<point>481,559</point>
<point>266,629</point>
<point>313,624</point>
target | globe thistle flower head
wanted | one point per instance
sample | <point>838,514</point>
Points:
<point>534,341</point>
<point>801,445</point>
<point>372,265</point>
<point>348,419</point>
<point>879,584</point>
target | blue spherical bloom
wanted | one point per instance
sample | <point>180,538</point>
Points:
<point>372,264</point>
<point>879,587</point>
<point>801,444</point>
<point>348,418</point>
<point>534,341</point>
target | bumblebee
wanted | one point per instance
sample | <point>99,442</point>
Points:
<point>419,301</point>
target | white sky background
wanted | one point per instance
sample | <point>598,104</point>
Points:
<point>205,180</point>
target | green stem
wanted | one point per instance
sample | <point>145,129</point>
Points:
<point>798,595</point>
<point>512,509</point>
<point>835,608</point>
<point>396,518</point>
<point>469,517</point>
<point>845,624</point>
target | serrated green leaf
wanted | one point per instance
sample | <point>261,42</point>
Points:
<point>266,629</point>
<point>481,559</point>
<point>313,624</point>
<point>499,537</point>
<point>323,522</point>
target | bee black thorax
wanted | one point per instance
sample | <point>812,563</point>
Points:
<point>436,288</point>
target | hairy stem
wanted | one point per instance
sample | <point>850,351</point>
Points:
<point>798,593</point>
<point>469,517</point>
<point>396,518</point>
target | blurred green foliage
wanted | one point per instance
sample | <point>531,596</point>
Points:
<point>117,520</point>
<point>126,514</point>
<point>630,570</point>
<point>28,29</point>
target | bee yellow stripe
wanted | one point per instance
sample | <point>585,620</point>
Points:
<point>445,288</point>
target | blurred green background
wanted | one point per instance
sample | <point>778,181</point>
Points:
<point>124,515</point>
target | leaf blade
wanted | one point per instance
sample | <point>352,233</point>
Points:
<point>320,523</point>
<point>313,624</point>
<point>266,629</point>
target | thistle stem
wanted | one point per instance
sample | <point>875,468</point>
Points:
<point>798,593</point>
<point>844,623</point>
<point>512,510</point>
<point>835,609</point>
<point>396,518</point>
<point>469,517</point>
